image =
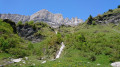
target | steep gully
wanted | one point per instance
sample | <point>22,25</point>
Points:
<point>59,53</point>
<point>20,59</point>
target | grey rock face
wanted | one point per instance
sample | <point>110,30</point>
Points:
<point>110,18</point>
<point>15,17</point>
<point>55,20</point>
<point>28,32</point>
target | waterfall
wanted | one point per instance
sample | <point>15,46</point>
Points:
<point>56,32</point>
<point>61,49</point>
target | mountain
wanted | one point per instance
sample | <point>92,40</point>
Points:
<point>55,20</point>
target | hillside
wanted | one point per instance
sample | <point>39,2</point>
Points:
<point>94,43</point>
<point>111,16</point>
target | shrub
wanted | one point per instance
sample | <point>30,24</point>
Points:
<point>99,17</point>
<point>59,38</point>
<point>30,46</point>
<point>80,38</point>
<point>43,24</point>
<point>1,20</point>
<point>4,44</point>
<point>34,27</point>
<point>7,42</point>
<point>12,24</point>
<point>118,6</point>
<point>90,19</point>
<point>93,23</point>
<point>110,10</point>
<point>19,23</point>
<point>18,52</point>
<point>30,22</point>
<point>26,23</point>
<point>92,58</point>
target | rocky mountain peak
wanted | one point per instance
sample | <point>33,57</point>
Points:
<point>55,20</point>
<point>43,11</point>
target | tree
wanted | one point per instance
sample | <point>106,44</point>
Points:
<point>90,19</point>
<point>118,6</point>
<point>110,10</point>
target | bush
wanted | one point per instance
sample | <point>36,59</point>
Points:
<point>4,44</point>
<point>118,6</point>
<point>19,23</point>
<point>1,20</point>
<point>30,22</point>
<point>34,27</point>
<point>92,58</point>
<point>99,17</point>
<point>30,46</point>
<point>7,42</point>
<point>110,10</point>
<point>80,38</point>
<point>59,38</point>
<point>93,23</point>
<point>26,23</point>
<point>43,24</point>
<point>18,52</point>
<point>90,19</point>
<point>12,24</point>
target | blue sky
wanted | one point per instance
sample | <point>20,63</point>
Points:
<point>68,8</point>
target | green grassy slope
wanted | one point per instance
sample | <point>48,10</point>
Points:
<point>85,45</point>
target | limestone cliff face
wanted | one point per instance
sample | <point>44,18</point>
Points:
<point>55,20</point>
<point>15,17</point>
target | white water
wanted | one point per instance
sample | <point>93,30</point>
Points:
<point>44,62</point>
<point>56,32</point>
<point>17,60</point>
<point>61,49</point>
<point>115,64</point>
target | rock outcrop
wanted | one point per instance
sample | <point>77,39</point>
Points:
<point>108,18</point>
<point>54,20</point>
<point>27,32</point>
<point>15,17</point>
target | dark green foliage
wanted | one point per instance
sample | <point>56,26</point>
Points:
<point>26,23</point>
<point>99,17</point>
<point>4,44</point>
<point>80,38</point>
<point>30,46</point>
<point>18,52</point>
<point>43,24</point>
<point>19,23</point>
<point>13,25</point>
<point>34,27</point>
<point>59,38</point>
<point>30,22</point>
<point>10,42</point>
<point>92,58</point>
<point>118,6</point>
<point>93,23</point>
<point>90,19</point>
<point>110,10</point>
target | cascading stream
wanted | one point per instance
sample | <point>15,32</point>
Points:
<point>61,49</point>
